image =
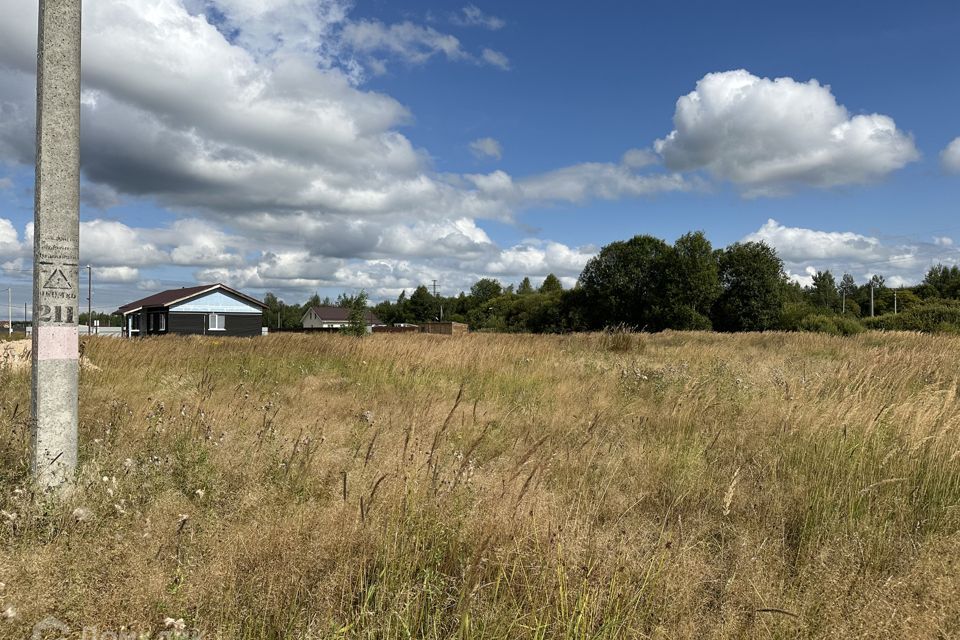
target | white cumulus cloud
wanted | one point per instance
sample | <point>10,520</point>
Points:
<point>772,136</point>
<point>805,251</point>
<point>486,148</point>
<point>250,123</point>
<point>950,157</point>
<point>124,275</point>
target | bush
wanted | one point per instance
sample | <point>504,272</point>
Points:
<point>940,316</point>
<point>793,315</point>
<point>833,325</point>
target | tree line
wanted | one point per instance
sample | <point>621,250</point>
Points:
<point>646,283</point>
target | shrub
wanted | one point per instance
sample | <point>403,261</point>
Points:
<point>833,325</point>
<point>940,316</point>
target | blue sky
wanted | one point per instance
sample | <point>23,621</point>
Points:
<point>322,145</point>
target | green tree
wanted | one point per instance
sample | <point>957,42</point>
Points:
<point>753,282</point>
<point>824,293</point>
<point>847,285</point>
<point>272,311</point>
<point>525,287</point>
<point>942,282</point>
<point>847,290</point>
<point>422,306</point>
<point>313,301</point>
<point>623,284</point>
<point>356,320</point>
<point>691,283</point>
<point>551,284</point>
<point>484,290</point>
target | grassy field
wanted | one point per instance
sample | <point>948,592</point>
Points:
<point>498,486</point>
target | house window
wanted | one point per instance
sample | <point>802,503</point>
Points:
<point>156,322</point>
<point>217,322</point>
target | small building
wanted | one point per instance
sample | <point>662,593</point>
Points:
<point>402,327</point>
<point>335,318</point>
<point>213,309</point>
<point>445,328</point>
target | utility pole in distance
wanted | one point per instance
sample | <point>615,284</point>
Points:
<point>56,247</point>
<point>89,300</point>
<point>440,318</point>
<point>9,311</point>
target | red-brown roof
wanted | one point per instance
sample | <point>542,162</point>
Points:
<point>165,298</point>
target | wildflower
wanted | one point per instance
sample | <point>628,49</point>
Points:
<point>176,625</point>
<point>200,493</point>
<point>10,612</point>
<point>82,514</point>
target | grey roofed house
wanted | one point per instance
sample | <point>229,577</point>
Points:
<point>334,318</point>
<point>213,309</point>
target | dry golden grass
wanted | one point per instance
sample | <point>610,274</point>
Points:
<point>680,485</point>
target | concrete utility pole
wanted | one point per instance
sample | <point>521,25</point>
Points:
<point>56,248</point>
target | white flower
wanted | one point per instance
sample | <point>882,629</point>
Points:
<point>200,493</point>
<point>82,514</point>
<point>10,612</point>
<point>176,625</point>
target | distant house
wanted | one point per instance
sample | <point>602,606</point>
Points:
<point>213,309</point>
<point>331,318</point>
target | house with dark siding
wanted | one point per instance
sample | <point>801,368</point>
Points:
<point>210,309</point>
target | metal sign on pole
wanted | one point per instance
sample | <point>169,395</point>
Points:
<point>56,245</point>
